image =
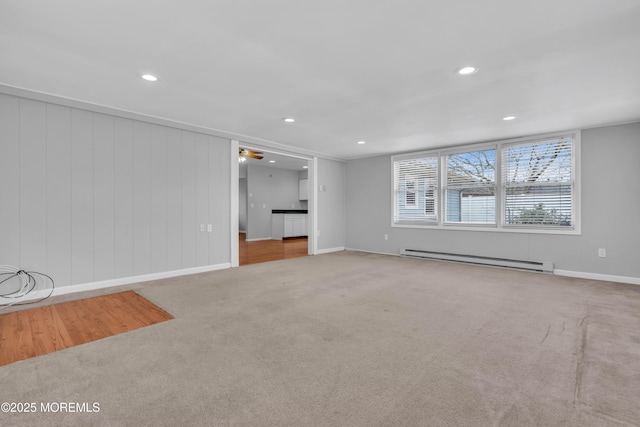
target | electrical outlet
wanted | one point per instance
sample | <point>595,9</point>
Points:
<point>386,237</point>
<point>201,227</point>
<point>209,228</point>
<point>602,253</point>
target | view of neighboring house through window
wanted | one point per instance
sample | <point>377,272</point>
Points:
<point>415,179</point>
<point>536,187</point>
<point>429,202</point>
<point>538,183</point>
<point>410,201</point>
<point>471,187</point>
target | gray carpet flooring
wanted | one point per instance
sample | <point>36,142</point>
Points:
<point>354,339</point>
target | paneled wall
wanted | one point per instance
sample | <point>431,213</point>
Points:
<point>88,197</point>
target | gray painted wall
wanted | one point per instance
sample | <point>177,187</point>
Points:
<point>96,197</point>
<point>242,209</point>
<point>331,204</point>
<point>610,207</point>
<point>269,188</point>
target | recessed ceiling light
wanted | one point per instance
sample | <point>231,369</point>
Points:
<point>289,119</point>
<point>149,77</point>
<point>362,142</point>
<point>305,167</point>
<point>465,71</point>
<point>506,119</point>
<point>272,161</point>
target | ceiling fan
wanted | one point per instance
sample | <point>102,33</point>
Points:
<point>244,153</point>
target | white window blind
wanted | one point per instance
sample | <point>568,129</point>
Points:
<point>471,187</point>
<point>538,183</point>
<point>415,183</point>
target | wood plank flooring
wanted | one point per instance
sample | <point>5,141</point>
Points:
<point>271,250</point>
<point>37,331</point>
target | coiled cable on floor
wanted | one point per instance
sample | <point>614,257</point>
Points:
<point>19,287</point>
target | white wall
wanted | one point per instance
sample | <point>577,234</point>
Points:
<point>96,197</point>
<point>331,205</point>
<point>610,214</point>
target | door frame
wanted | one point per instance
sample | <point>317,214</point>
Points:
<point>234,202</point>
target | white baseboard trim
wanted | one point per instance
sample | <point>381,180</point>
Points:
<point>260,238</point>
<point>329,250</point>
<point>567,273</point>
<point>596,276</point>
<point>371,252</point>
<point>63,290</point>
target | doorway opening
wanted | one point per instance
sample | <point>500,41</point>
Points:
<point>273,206</point>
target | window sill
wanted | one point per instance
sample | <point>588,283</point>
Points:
<point>491,228</point>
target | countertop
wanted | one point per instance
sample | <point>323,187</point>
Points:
<point>289,211</point>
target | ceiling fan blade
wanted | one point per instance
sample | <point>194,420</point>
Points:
<point>253,154</point>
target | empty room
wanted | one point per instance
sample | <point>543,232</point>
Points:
<point>336,213</point>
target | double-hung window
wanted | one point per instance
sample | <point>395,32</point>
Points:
<point>538,183</point>
<point>470,188</point>
<point>415,181</point>
<point>525,184</point>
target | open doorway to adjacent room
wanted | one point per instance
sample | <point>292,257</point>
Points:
<point>273,211</point>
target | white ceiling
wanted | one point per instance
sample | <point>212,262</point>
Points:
<point>347,70</point>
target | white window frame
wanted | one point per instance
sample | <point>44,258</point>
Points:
<point>499,226</point>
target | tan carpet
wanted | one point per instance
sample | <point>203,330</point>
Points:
<point>355,339</point>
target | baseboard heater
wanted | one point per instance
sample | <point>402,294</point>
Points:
<point>545,267</point>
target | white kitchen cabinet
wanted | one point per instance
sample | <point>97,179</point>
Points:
<point>295,225</point>
<point>303,189</point>
<point>277,226</point>
<point>288,225</point>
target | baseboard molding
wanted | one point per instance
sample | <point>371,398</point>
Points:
<point>596,276</point>
<point>260,238</point>
<point>371,252</point>
<point>329,250</point>
<point>63,290</point>
<point>567,273</point>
